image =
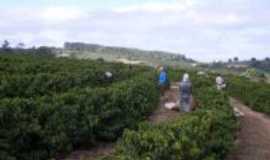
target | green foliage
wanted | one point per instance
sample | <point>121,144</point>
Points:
<point>26,76</point>
<point>255,95</point>
<point>204,134</point>
<point>40,122</point>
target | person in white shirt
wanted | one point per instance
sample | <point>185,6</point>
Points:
<point>220,82</point>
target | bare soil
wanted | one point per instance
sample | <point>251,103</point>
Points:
<point>253,140</point>
<point>102,149</point>
<point>160,115</point>
<point>252,143</point>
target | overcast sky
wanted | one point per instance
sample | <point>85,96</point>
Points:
<point>205,30</point>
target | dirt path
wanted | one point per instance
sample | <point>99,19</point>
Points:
<point>102,149</point>
<point>161,114</point>
<point>253,142</point>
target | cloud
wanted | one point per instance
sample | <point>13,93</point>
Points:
<point>180,5</point>
<point>205,30</point>
<point>213,18</point>
<point>61,14</point>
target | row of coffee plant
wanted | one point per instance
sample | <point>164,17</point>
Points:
<point>26,76</point>
<point>205,134</point>
<point>254,94</point>
<point>40,127</point>
<point>27,64</point>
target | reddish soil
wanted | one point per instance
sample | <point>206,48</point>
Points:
<point>103,149</point>
<point>253,140</point>
<point>160,115</point>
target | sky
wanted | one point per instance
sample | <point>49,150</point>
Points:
<point>205,30</point>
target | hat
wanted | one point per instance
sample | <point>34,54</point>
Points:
<point>185,77</point>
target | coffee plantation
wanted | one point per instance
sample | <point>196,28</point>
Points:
<point>51,106</point>
<point>207,133</point>
<point>48,108</point>
<point>254,94</point>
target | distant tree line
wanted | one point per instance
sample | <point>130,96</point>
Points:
<point>263,64</point>
<point>260,64</point>
<point>21,49</point>
<point>81,46</point>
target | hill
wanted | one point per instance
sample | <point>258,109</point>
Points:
<point>125,55</point>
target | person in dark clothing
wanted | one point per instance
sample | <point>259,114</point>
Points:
<point>185,94</point>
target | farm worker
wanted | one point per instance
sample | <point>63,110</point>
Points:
<point>201,73</point>
<point>163,80</point>
<point>185,94</point>
<point>220,82</point>
<point>108,76</point>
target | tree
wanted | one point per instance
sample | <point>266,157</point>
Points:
<point>253,59</point>
<point>235,59</point>
<point>20,45</point>
<point>230,60</point>
<point>5,45</point>
<point>254,62</point>
<point>101,60</point>
<point>5,48</point>
<point>44,51</point>
<point>267,59</point>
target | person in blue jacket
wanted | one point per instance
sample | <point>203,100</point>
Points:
<point>163,80</point>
